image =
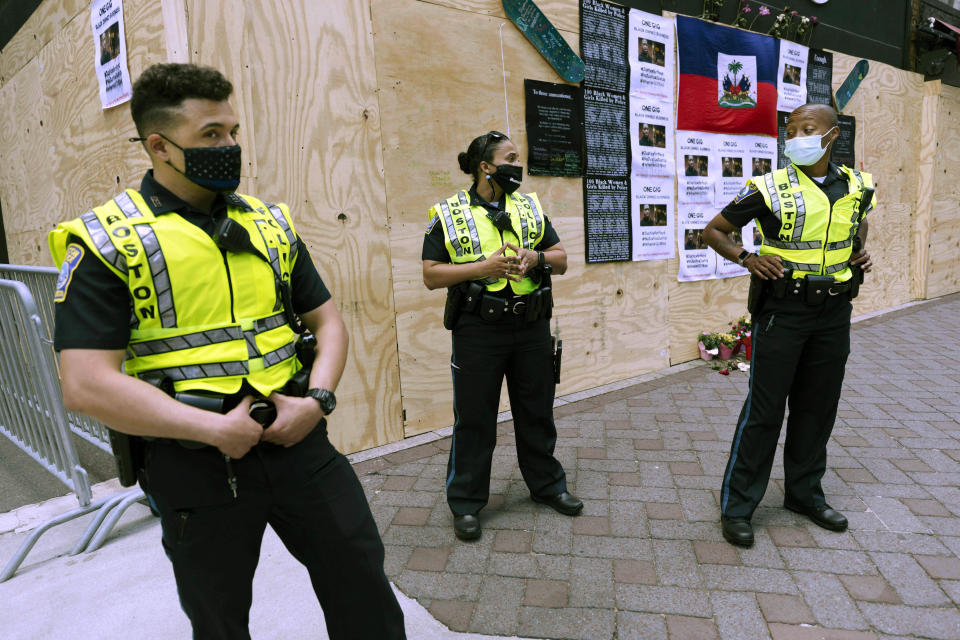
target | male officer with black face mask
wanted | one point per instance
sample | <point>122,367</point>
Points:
<point>188,290</point>
<point>811,219</point>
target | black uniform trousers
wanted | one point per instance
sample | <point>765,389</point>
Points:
<point>311,497</point>
<point>799,353</point>
<point>483,353</point>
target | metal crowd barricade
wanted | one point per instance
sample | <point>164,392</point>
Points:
<point>32,414</point>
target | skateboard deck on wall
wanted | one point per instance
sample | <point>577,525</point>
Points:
<point>545,37</point>
<point>850,83</point>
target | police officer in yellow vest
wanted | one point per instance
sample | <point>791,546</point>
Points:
<point>811,219</point>
<point>188,289</point>
<point>493,248</point>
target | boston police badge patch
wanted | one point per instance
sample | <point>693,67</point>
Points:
<point>748,190</point>
<point>70,263</point>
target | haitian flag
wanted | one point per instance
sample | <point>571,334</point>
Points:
<point>728,79</point>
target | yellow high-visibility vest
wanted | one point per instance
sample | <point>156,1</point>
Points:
<point>205,319</point>
<point>814,238</point>
<point>470,236</point>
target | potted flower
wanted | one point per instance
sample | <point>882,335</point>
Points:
<point>709,345</point>
<point>740,329</point>
<point>728,342</point>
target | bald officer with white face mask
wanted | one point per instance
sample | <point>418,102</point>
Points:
<point>811,216</point>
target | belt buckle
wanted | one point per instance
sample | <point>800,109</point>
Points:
<point>519,307</point>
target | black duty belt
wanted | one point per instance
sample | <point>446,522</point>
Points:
<point>525,308</point>
<point>810,289</point>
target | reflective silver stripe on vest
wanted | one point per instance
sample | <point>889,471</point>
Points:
<point>533,207</point>
<point>127,206</point>
<point>797,246</point>
<point>801,208</point>
<point>448,225</point>
<point>834,268</point>
<point>251,339</point>
<point>160,275</point>
<point>524,240</point>
<point>282,221</point>
<point>102,241</point>
<point>800,266</point>
<point>269,323</point>
<point>279,355</point>
<point>772,191</point>
<point>471,223</point>
<point>186,341</point>
<point>843,244</point>
<point>198,371</point>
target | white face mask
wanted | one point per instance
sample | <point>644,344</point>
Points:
<point>805,150</point>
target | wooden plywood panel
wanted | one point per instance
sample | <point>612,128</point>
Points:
<point>886,107</point>
<point>41,27</point>
<point>433,105</point>
<point>704,305</point>
<point>943,271</point>
<point>564,14</point>
<point>923,215</point>
<point>317,147</point>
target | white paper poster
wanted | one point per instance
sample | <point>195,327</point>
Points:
<point>650,48</point>
<point>697,167</point>
<point>110,62</point>
<point>651,137</point>
<point>792,76</point>
<point>697,260</point>
<point>762,151</point>
<point>652,220</point>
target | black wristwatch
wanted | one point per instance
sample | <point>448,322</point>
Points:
<point>328,401</point>
<point>743,256</point>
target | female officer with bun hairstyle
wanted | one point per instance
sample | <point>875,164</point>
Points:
<point>494,249</point>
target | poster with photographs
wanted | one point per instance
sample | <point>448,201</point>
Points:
<point>697,260</point>
<point>651,136</point>
<point>697,168</point>
<point>650,49</point>
<point>110,61</point>
<point>741,158</point>
<point>792,76</point>
<point>652,218</point>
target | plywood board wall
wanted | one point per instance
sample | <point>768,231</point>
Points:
<point>306,95</point>
<point>354,111</point>
<point>943,270</point>
<point>887,107</point>
<point>441,85</point>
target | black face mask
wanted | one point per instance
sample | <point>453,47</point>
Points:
<point>508,177</point>
<point>216,169</point>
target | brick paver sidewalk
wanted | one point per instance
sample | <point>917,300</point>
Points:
<point>646,558</point>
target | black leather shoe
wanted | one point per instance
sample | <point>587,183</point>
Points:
<point>821,515</point>
<point>737,531</point>
<point>467,527</point>
<point>565,503</point>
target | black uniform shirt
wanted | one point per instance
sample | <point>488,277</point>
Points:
<point>434,244</point>
<point>749,203</point>
<point>96,311</point>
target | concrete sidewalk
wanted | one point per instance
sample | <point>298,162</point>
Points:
<point>645,560</point>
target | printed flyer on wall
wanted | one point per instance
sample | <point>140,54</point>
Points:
<point>652,218</point>
<point>696,167</point>
<point>113,75</point>
<point>792,76</point>
<point>651,137</point>
<point>650,49</point>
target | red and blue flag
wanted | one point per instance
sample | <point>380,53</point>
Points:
<point>728,79</point>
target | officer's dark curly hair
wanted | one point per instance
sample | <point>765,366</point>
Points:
<point>480,150</point>
<point>162,88</point>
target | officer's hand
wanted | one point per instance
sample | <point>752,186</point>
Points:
<point>528,260</point>
<point>238,432</point>
<point>765,267</point>
<point>862,258</point>
<point>500,266</point>
<point>296,418</point>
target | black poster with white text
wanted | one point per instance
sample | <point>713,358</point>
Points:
<point>554,129</point>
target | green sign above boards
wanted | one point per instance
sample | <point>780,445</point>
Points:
<point>545,37</point>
